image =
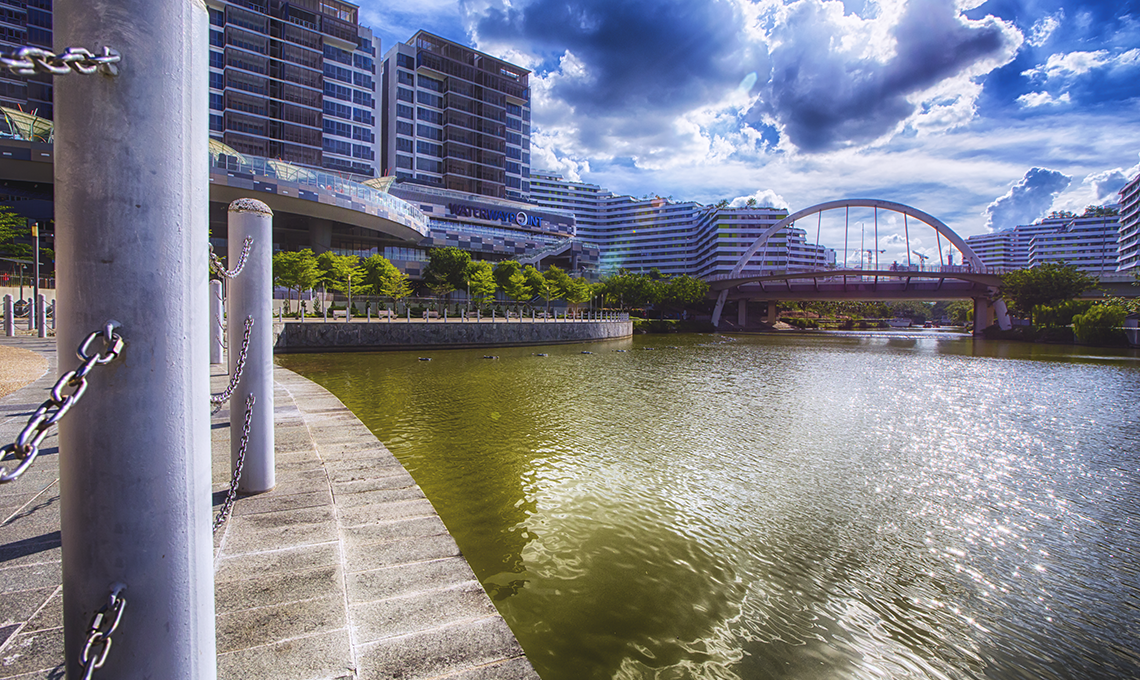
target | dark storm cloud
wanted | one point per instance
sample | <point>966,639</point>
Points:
<point>824,98</point>
<point>1027,200</point>
<point>667,56</point>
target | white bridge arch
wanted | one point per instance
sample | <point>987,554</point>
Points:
<point>968,255</point>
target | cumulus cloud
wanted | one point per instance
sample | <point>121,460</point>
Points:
<point>1027,200</point>
<point>839,81</point>
<point>763,198</point>
<point>1106,185</point>
<point>1032,100</point>
<point>1069,64</point>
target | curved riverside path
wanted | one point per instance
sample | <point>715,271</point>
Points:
<point>343,571</point>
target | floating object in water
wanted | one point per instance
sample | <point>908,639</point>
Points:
<point>425,358</point>
<point>488,356</point>
<point>587,352</point>
<point>542,355</point>
<point>621,350</point>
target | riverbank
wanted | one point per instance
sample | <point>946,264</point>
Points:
<point>344,570</point>
<point>360,335</point>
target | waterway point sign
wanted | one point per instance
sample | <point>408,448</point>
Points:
<point>495,215</point>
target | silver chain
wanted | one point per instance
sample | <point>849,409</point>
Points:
<point>27,444</point>
<point>103,624</point>
<point>220,269</point>
<point>222,327</point>
<point>27,61</point>
<point>238,368</point>
<point>231,495</point>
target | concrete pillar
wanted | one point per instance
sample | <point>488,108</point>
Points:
<point>41,316</point>
<point>1001,315</point>
<point>320,235</point>
<point>9,317</point>
<point>131,199</point>
<point>742,313</point>
<point>251,295</point>
<point>217,315</point>
<point>983,315</point>
<point>773,311</point>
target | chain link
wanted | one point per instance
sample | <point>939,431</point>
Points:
<point>26,61</point>
<point>231,495</point>
<point>100,631</point>
<point>27,444</point>
<point>220,269</point>
<point>238,368</point>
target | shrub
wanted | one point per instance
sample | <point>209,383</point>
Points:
<point>1100,325</point>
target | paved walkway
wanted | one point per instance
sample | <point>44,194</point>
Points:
<point>343,571</point>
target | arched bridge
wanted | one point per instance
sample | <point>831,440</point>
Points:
<point>825,279</point>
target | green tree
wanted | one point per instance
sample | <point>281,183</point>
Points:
<point>505,270</point>
<point>577,291</point>
<point>517,287</point>
<point>481,282</point>
<point>342,272</point>
<point>447,269</point>
<point>1100,325</point>
<point>683,291</point>
<point>550,285</point>
<point>13,226</point>
<point>385,278</point>
<point>296,270</point>
<point>1048,284</point>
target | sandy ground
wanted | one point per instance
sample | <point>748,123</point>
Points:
<point>19,367</point>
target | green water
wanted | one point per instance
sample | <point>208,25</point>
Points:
<point>903,504</point>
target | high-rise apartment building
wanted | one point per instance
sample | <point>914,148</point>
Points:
<point>26,23</point>
<point>1128,239</point>
<point>1088,243</point>
<point>294,81</point>
<point>675,237</point>
<point>455,118</point>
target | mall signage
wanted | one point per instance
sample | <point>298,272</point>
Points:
<point>495,215</point>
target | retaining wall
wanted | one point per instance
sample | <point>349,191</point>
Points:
<point>318,336</point>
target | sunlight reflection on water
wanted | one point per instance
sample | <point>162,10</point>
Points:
<point>860,505</point>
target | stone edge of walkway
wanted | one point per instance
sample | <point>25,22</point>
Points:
<point>344,570</point>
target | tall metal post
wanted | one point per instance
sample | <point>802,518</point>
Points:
<point>41,316</point>
<point>33,315</point>
<point>9,317</point>
<point>251,296</point>
<point>131,199</point>
<point>217,315</point>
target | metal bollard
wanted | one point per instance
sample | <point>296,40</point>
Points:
<point>41,316</point>
<point>9,317</point>
<point>251,295</point>
<point>131,209</point>
<point>217,345</point>
<point>31,312</point>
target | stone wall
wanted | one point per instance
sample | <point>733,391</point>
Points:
<point>318,336</point>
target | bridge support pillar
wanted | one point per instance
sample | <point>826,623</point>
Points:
<point>772,312</point>
<point>983,315</point>
<point>742,313</point>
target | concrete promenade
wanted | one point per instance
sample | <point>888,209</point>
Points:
<point>343,571</point>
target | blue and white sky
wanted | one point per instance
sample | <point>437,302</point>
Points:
<point>984,114</point>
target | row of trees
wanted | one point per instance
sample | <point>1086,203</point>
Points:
<point>452,269</point>
<point>303,270</point>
